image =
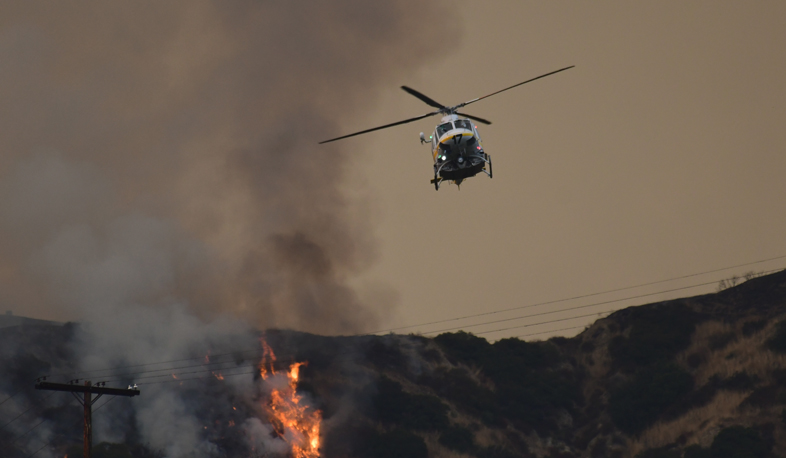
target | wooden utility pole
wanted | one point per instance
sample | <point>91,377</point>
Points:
<point>88,390</point>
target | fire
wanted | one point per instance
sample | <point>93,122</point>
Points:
<point>218,376</point>
<point>293,420</point>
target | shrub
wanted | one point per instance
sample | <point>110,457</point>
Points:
<point>739,442</point>
<point>777,342</point>
<point>513,358</point>
<point>657,334</point>
<point>415,411</point>
<point>696,359</point>
<point>752,327</point>
<point>107,450</point>
<point>740,381</point>
<point>722,340</point>
<point>533,397</point>
<point>528,389</point>
<point>696,451</point>
<point>458,438</point>
<point>456,385</point>
<point>638,403</point>
<point>495,452</point>
<point>386,354</point>
<point>662,452</point>
<point>395,444</point>
<point>463,347</point>
<point>763,397</point>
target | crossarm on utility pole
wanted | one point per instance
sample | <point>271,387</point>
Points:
<point>85,388</point>
<point>88,390</point>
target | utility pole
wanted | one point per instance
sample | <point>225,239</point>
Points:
<point>88,390</point>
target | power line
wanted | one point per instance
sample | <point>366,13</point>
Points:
<point>170,373</point>
<point>572,308</point>
<point>583,295</point>
<point>28,410</point>
<point>186,373</point>
<point>540,322</point>
<point>27,432</point>
<point>59,436</point>
<point>152,364</point>
<point>105,403</point>
<point>577,307</point>
<point>606,313</point>
<point>235,353</point>
<point>9,397</point>
<point>553,330</point>
<point>45,445</point>
<point>196,378</point>
<point>569,308</point>
<point>167,369</point>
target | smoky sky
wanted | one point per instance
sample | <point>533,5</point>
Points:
<point>166,152</point>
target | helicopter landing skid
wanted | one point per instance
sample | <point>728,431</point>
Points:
<point>436,182</point>
<point>490,171</point>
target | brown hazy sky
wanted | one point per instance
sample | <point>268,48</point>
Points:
<point>162,153</point>
<point>662,154</point>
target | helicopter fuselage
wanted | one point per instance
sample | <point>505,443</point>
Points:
<point>457,150</point>
<point>455,146</point>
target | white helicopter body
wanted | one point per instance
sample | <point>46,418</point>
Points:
<point>456,147</point>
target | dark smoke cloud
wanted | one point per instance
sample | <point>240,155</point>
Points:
<point>156,153</point>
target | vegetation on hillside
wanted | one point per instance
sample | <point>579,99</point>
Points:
<point>703,377</point>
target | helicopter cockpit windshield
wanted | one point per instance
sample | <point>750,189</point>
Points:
<point>463,124</point>
<point>443,128</point>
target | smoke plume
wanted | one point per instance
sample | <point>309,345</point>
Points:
<point>156,153</point>
<point>160,179</point>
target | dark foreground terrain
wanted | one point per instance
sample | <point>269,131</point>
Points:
<point>696,377</point>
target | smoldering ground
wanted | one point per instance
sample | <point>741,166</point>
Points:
<point>160,176</point>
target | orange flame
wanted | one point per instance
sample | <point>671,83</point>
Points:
<point>293,421</point>
<point>218,376</point>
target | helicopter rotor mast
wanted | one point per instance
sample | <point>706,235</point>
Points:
<point>442,109</point>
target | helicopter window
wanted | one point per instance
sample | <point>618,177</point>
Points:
<point>442,128</point>
<point>463,124</point>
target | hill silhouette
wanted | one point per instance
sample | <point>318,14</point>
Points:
<point>703,376</point>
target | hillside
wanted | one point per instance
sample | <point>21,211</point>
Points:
<point>697,377</point>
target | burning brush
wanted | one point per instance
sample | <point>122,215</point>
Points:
<point>293,421</point>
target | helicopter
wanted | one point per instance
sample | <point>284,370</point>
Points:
<point>456,146</point>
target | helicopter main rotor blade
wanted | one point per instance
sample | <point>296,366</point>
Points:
<point>423,97</point>
<point>484,121</point>
<point>383,127</point>
<point>515,85</point>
